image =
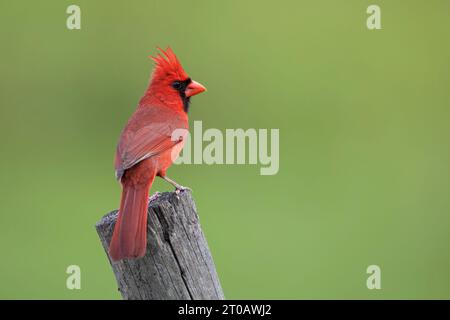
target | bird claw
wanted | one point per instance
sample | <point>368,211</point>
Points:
<point>179,189</point>
<point>154,196</point>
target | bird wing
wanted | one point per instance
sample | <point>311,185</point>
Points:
<point>148,133</point>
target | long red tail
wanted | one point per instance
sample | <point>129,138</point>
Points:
<point>129,238</point>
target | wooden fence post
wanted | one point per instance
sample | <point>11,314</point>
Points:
<point>177,265</point>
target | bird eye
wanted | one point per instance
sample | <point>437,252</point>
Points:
<point>176,85</point>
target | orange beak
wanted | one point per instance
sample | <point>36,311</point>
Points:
<point>194,88</point>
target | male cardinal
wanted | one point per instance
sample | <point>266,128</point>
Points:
<point>146,149</point>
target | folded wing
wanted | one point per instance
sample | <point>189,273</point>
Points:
<point>148,133</point>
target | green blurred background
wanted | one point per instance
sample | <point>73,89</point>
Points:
<point>364,153</point>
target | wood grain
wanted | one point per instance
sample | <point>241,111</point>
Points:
<point>177,265</point>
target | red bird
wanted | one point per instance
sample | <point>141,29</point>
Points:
<point>146,149</point>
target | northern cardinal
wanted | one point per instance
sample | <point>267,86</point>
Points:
<point>146,149</point>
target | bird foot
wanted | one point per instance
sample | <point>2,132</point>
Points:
<point>179,189</point>
<point>154,196</point>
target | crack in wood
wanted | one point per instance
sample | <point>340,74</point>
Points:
<point>178,263</point>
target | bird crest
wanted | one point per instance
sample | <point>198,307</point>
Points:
<point>167,64</point>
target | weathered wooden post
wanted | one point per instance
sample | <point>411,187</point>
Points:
<point>177,265</point>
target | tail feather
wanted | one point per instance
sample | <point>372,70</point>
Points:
<point>129,238</point>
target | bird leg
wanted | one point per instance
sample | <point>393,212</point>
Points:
<point>177,186</point>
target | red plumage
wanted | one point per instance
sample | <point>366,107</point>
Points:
<point>146,150</point>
